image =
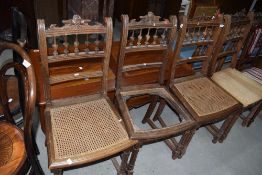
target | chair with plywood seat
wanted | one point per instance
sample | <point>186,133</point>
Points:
<point>151,34</point>
<point>18,151</point>
<point>82,129</point>
<point>243,88</point>
<point>207,102</point>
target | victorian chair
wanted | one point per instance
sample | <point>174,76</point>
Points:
<point>150,34</point>
<point>246,90</point>
<point>81,129</point>
<point>207,102</point>
<point>17,147</point>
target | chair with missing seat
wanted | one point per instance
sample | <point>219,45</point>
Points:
<point>243,88</point>
<point>81,129</point>
<point>151,34</point>
<point>206,101</point>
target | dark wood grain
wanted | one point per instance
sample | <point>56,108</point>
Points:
<point>25,146</point>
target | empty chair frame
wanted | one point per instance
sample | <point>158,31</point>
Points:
<point>151,34</point>
<point>82,129</point>
<point>207,102</point>
<point>243,88</point>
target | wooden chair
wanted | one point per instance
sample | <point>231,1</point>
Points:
<point>246,90</point>
<point>207,102</point>
<point>151,34</point>
<point>251,51</point>
<point>250,61</point>
<point>82,129</point>
<point>17,147</point>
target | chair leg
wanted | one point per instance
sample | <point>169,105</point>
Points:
<point>58,172</point>
<point>220,134</point>
<point>131,164</point>
<point>228,128</point>
<point>34,143</point>
<point>252,115</point>
<point>150,109</point>
<point>123,166</point>
<point>183,144</point>
<point>160,109</point>
<point>178,148</point>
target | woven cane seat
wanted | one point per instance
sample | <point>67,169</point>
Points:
<point>86,131</point>
<point>244,89</point>
<point>203,96</point>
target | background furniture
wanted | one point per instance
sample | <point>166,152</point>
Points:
<point>18,148</point>
<point>225,6</point>
<point>91,9</point>
<point>28,9</point>
<point>136,8</point>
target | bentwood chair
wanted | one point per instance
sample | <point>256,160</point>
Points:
<point>82,129</point>
<point>150,34</point>
<point>207,102</point>
<point>18,151</point>
<point>243,88</point>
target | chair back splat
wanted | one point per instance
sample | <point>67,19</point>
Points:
<point>76,40</point>
<point>200,36</point>
<point>230,41</point>
<point>147,35</point>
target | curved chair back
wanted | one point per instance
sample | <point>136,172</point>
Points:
<point>26,71</point>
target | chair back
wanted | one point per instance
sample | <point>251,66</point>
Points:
<point>196,40</point>
<point>27,74</point>
<point>252,49</point>
<point>77,41</point>
<point>147,35</point>
<point>231,41</point>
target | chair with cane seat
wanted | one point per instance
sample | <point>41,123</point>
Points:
<point>82,129</point>
<point>207,102</point>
